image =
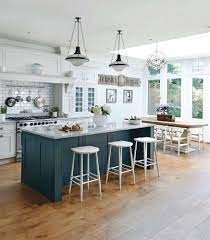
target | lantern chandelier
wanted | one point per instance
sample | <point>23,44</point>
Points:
<point>156,60</point>
<point>118,65</point>
<point>77,59</point>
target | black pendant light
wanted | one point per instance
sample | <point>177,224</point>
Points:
<point>77,59</point>
<point>119,65</point>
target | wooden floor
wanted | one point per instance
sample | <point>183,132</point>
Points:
<point>175,206</point>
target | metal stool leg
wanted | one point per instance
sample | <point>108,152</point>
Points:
<point>72,173</point>
<point>145,161</point>
<point>120,167</point>
<point>157,165</point>
<point>81,178</point>
<point>88,170</point>
<point>108,164</point>
<point>132,164</point>
<point>98,174</point>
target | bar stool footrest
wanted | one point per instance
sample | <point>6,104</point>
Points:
<point>125,168</point>
<point>92,178</point>
<point>150,162</point>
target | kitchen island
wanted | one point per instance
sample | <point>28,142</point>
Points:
<point>47,155</point>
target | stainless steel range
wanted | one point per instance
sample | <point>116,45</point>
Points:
<point>22,122</point>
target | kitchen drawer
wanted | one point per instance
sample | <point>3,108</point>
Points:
<point>10,127</point>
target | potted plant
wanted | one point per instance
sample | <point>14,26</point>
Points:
<point>54,112</point>
<point>101,114</point>
<point>165,112</point>
<point>3,111</point>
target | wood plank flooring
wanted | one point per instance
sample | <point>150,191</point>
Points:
<point>174,207</point>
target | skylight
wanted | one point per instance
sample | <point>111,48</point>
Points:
<point>186,47</point>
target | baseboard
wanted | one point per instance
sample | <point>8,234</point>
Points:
<point>7,160</point>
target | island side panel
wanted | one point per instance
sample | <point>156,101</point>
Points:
<point>64,155</point>
<point>100,141</point>
<point>38,164</point>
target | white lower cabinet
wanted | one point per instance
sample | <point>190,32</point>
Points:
<point>7,145</point>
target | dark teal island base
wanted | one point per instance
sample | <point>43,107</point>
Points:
<point>46,162</point>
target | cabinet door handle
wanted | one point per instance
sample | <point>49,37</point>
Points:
<point>1,136</point>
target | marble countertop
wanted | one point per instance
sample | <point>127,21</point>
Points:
<point>53,132</point>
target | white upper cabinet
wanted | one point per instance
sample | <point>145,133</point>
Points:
<point>16,64</point>
<point>20,61</point>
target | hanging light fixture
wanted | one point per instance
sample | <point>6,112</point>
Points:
<point>156,60</point>
<point>119,65</point>
<point>77,59</point>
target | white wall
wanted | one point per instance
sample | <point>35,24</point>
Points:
<point>120,110</point>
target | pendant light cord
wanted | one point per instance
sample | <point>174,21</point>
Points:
<point>79,28</point>
<point>119,38</point>
<point>126,56</point>
<point>115,44</point>
<point>71,38</point>
<point>83,40</point>
<point>119,35</point>
<point>78,24</point>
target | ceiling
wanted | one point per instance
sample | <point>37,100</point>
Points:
<point>50,22</point>
<point>194,46</point>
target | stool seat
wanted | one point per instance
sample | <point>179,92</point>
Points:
<point>122,144</point>
<point>145,140</point>
<point>85,150</point>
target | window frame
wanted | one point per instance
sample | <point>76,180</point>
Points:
<point>174,73</point>
<point>202,78</point>
<point>181,86</point>
<point>149,114</point>
<point>75,99</point>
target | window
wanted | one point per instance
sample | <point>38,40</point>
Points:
<point>174,68</point>
<point>91,97</point>
<point>152,71</point>
<point>174,95</point>
<point>79,99</point>
<point>197,98</point>
<point>153,96</point>
<point>198,66</point>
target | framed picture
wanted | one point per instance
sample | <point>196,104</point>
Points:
<point>111,95</point>
<point>128,96</point>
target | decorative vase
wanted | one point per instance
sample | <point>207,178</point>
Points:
<point>36,69</point>
<point>2,116</point>
<point>100,120</point>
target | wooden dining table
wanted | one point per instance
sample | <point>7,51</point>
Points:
<point>178,124</point>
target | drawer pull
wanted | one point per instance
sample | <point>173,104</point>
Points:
<point>1,136</point>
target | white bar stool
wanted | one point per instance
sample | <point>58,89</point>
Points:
<point>89,176</point>
<point>120,168</point>
<point>146,162</point>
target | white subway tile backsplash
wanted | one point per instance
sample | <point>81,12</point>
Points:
<point>45,91</point>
